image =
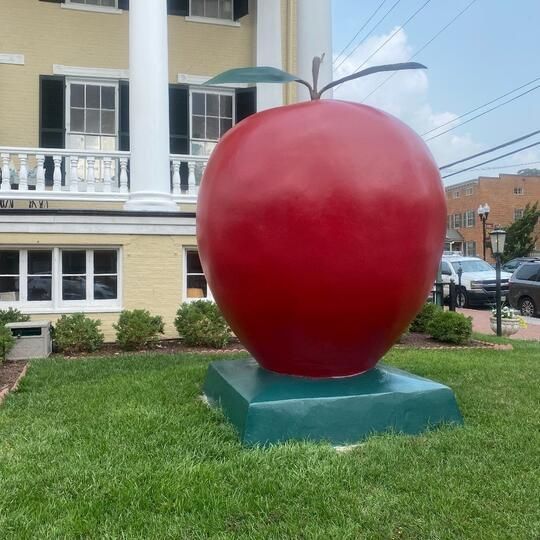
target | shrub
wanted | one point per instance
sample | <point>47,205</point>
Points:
<point>138,329</point>
<point>201,324</point>
<point>421,321</point>
<point>450,327</point>
<point>6,342</point>
<point>12,315</point>
<point>77,333</point>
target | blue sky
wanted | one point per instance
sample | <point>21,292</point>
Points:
<point>491,49</point>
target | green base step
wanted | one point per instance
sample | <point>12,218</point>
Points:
<point>267,407</point>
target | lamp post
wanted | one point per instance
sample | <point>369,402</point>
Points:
<point>498,238</point>
<point>483,213</point>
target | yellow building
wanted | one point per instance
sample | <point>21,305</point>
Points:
<point>105,129</point>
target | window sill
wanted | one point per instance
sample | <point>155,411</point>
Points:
<point>97,9</point>
<point>210,20</point>
<point>60,310</point>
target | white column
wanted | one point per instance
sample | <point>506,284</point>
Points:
<point>269,51</point>
<point>314,37</point>
<point>149,107</point>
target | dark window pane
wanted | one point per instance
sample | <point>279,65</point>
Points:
<point>40,262</point>
<point>74,262</point>
<point>212,128</point>
<point>77,95</point>
<point>92,97</point>
<point>198,104</point>
<point>92,121</point>
<point>105,262</point>
<point>197,287</point>
<point>194,263</point>
<point>108,122</point>
<point>212,9</point>
<point>9,289</point>
<point>528,272</point>
<point>212,105</point>
<point>107,97</point>
<point>197,8</point>
<point>198,127</point>
<point>105,287</point>
<point>9,262</point>
<point>39,288</point>
<point>77,120</point>
<point>226,106</point>
<point>226,124</point>
<point>74,288</point>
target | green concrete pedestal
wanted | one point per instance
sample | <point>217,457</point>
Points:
<point>267,407</point>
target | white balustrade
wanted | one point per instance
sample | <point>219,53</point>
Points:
<point>61,174</point>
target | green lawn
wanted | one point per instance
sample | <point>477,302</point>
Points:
<point>124,448</point>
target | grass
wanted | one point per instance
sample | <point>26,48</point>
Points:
<point>124,448</point>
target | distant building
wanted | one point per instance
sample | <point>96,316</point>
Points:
<point>507,196</point>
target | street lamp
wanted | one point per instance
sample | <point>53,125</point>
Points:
<point>498,238</point>
<point>483,213</point>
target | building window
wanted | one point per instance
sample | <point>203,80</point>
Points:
<point>55,278</point>
<point>214,9</point>
<point>195,284</point>
<point>457,194</point>
<point>457,221</point>
<point>468,191</point>
<point>102,3</point>
<point>518,213</point>
<point>92,120</point>
<point>518,190</point>
<point>470,249</point>
<point>470,217</point>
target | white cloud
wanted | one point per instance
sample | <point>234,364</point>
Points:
<point>406,95</point>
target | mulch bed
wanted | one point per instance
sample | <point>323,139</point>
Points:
<point>416,340</point>
<point>10,372</point>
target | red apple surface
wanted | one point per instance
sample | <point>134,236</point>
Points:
<point>320,227</point>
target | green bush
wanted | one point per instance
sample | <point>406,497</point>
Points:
<point>77,333</point>
<point>201,324</point>
<point>421,321</point>
<point>6,342</point>
<point>12,315</point>
<point>450,327</point>
<point>138,329</point>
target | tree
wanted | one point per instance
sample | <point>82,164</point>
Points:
<point>520,237</point>
<point>529,172</point>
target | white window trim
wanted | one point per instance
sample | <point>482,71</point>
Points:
<point>208,90</point>
<point>98,82</point>
<point>188,78</point>
<point>185,298</point>
<point>91,72</point>
<point>12,58</point>
<point>211,20</point>
<point>57,304</point>
<point>69,4</point>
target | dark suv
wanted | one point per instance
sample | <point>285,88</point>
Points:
<point>514,264</point>
<point>524,289</point>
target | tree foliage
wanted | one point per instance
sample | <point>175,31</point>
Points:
<point>529,172</point>
<point>520,237</point>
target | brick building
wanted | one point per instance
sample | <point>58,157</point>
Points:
<point>507,195</point>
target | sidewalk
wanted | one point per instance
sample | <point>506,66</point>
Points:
<point>481,324</point>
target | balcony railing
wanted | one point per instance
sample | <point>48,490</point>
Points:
<point>59,174</point>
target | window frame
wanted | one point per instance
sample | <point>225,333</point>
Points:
<point>456,194</point>
<point>57,304</point>
<point>468,191</point>
<point>71,4</point>
<point>221,20</point>
<point>209,297</point>
<point>460,226</point>
<point>470,219</point>
<point>520,211</point>
<point>519,191</point>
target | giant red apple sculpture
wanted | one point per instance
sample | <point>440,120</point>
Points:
<point>320,227</point>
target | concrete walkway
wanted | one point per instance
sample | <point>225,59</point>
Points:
<point>481,324</point>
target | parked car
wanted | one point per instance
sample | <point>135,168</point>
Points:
<point>514,264</point>
<point>478,280</point>
<point>524,293</point>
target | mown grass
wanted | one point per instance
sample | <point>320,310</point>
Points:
<point>124,448</point>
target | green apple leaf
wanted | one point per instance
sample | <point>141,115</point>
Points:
<point>263,74</point>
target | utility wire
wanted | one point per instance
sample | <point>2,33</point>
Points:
<point>390,37</point>
<point>360,31</point>
<point>483,113</point>
<point>493,159</point>
<point>369,33</point>
<point>504,166</point>
<point>489,150</point>
<point>481,106</point>
<point>423,47</point>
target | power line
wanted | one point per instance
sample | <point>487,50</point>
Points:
<point>360,31</point>
<point>493,159</point>
<point>392,36</point>
<point>483,113</point>
<point>481,106</point>
<point>369,33</point>
<point>424,46</point>
<point>506,166</point>
<point>489,150</point>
